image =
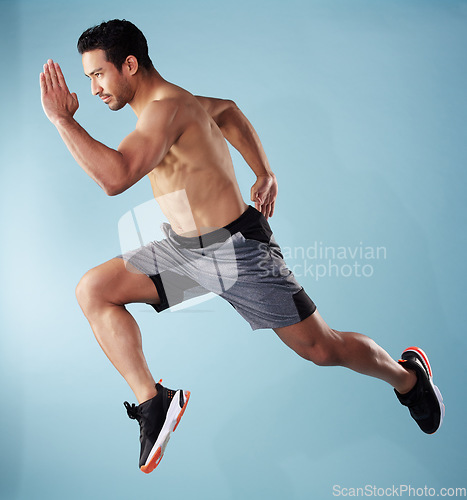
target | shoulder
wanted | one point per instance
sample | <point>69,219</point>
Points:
<point>162,117</point>
<point>159,109</point>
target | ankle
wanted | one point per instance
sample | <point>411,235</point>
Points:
<point>146,393</point>
<point>410,379</point>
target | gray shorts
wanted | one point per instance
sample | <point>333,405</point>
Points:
<point>241,262</point>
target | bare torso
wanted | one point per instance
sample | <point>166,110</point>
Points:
<point>195,183</point>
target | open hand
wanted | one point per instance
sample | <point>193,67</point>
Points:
<point>264,194</point>
<point>57,100</point>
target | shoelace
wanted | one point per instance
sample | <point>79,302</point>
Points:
<point>131,410</point>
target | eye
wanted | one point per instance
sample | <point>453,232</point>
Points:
<point>97,75</point>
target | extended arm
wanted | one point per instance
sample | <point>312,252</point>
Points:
<point>113,170</point>
<point>237,129</point>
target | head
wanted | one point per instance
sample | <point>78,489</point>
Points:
<point>113,52</point>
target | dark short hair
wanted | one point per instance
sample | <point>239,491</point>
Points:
<point>119,39</point>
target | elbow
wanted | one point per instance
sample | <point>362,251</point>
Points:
<point>230,104</point>
<point>111,192</point>
<point>227,115</point>
<point>113,189</point>
<point>115,181</point>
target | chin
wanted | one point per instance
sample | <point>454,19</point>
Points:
<point>115,106</point>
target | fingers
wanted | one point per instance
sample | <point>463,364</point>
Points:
<point>53,73</point>
<point>260,204</point>
<point>47,78</point>
<point>57,100</point>
<point>264,193</point>
<point>50,76</point>
<point>60,77</point>
<point>53,76</point>
<point>267,210</point>
<point>43,83</point>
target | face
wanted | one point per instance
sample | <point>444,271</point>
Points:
<point>107,82</point>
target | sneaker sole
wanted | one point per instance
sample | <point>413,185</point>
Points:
<point>172,419</point>
<point>424,359</point>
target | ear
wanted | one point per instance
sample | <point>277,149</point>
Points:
<point>131,64</point>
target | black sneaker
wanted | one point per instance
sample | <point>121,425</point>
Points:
<point>158,418</point>
<point>424,401</point>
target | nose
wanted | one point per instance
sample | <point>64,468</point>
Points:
<point>95,87</point>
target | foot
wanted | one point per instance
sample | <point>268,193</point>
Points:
<point>424,401</point>
<point>158,418</point>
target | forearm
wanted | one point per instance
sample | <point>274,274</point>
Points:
<point>237,129</point>
<point>104,165</point>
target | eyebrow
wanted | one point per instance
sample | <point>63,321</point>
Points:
<point>95,71</point>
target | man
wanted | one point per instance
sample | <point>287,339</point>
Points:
<point>214,241</point>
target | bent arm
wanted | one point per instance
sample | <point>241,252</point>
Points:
<point>139,153</point>
<point>237,129</point>
<point>104,165</point>
<point>115,171</point>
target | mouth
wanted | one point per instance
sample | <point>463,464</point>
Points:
<point>105,98</point>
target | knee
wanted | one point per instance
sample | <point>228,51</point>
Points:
<point>89,290</point>
<point>323,351</point>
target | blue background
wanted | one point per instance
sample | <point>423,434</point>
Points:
<point>361,107</point>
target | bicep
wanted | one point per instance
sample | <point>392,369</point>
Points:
<point>147,145</point>
<point>141,153</point>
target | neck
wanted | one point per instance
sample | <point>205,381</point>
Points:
<point>147,85</point>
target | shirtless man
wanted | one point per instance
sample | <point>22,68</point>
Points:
<point>214,242</point>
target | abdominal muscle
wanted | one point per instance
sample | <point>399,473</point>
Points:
<point>199,204</point>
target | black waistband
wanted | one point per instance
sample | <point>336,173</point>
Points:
<point>249,216</point>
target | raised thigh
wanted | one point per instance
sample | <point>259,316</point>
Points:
<point>117,282</point>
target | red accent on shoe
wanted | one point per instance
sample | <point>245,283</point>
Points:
<point>423,355</point>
